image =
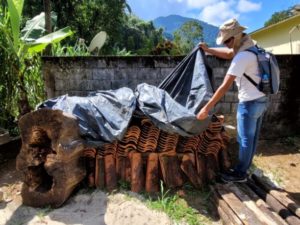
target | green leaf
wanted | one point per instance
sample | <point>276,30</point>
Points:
<point>35,27</point>
<point>15,8</point>
<point>41,43</point>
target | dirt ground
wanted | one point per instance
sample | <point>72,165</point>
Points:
<point>280,162</point>
<point>86,207</point>
<point>278,159</point>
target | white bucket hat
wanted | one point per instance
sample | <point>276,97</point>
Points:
<point>229,29</point>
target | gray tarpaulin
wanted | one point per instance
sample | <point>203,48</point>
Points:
<point>102,116</point>
<point>173,106</point>
<point>105,115</point>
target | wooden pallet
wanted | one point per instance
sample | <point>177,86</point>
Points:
<point>255,202</point>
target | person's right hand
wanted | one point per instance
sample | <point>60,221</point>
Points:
<point>203,114</point>
<point>203,46</point>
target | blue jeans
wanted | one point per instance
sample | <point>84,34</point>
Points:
<point>249,119</point>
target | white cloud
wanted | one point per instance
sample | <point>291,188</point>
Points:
<point>200,3</point>
<point>211,11</point>
<point>248,6</point>
<point>218,13</point>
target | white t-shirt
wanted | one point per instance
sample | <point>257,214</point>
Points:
<point>245,62</point>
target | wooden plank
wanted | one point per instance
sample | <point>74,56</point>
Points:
<point>262,204</point>
<point>222,206</point>
<point>245,214</point>
<point>276,206</point>
<point>264,218</point>
<point>225,218</point>
<point>279,194</point>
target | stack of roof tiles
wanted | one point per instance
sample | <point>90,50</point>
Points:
<point>147,155</point>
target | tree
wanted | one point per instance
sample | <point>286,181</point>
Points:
<point>279,16</point>
<point>47,10</point>
<point>19,51</point>
<point>166,47</point>
<point>138,36</point>
<point>188,35</point>
<point>86,18</point>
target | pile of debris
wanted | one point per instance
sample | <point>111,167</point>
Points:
<point>54,158</point>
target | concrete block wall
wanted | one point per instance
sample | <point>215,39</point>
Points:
<point>80,75</point>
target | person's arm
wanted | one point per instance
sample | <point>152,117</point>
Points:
<point>224,53</point>
<point>227,82</point>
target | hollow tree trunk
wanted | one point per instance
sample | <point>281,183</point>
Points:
<point>50,158</point>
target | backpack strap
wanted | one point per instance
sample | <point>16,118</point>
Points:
<point>251,80</point>
<point>254,50</point>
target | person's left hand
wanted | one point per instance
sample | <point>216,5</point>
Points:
<point>203,114</point>
<point>203,45</point>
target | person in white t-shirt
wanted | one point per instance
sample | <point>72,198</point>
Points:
<point>252,103</point>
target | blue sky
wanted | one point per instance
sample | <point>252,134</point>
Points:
<point>250,13</point>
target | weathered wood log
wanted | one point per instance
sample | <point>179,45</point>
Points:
<point>152,173</point>
<point>276,206</point>
<point>137,172</point>
<point>262,205</point>
<point>50,157</point>
<point>279,194</point>
<point>227,214</point>
<point>244,214</point>
<point>264,218</point>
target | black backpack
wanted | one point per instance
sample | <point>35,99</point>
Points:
<point>269,71</point>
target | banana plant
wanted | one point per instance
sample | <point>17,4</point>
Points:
<point>23,47</point>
